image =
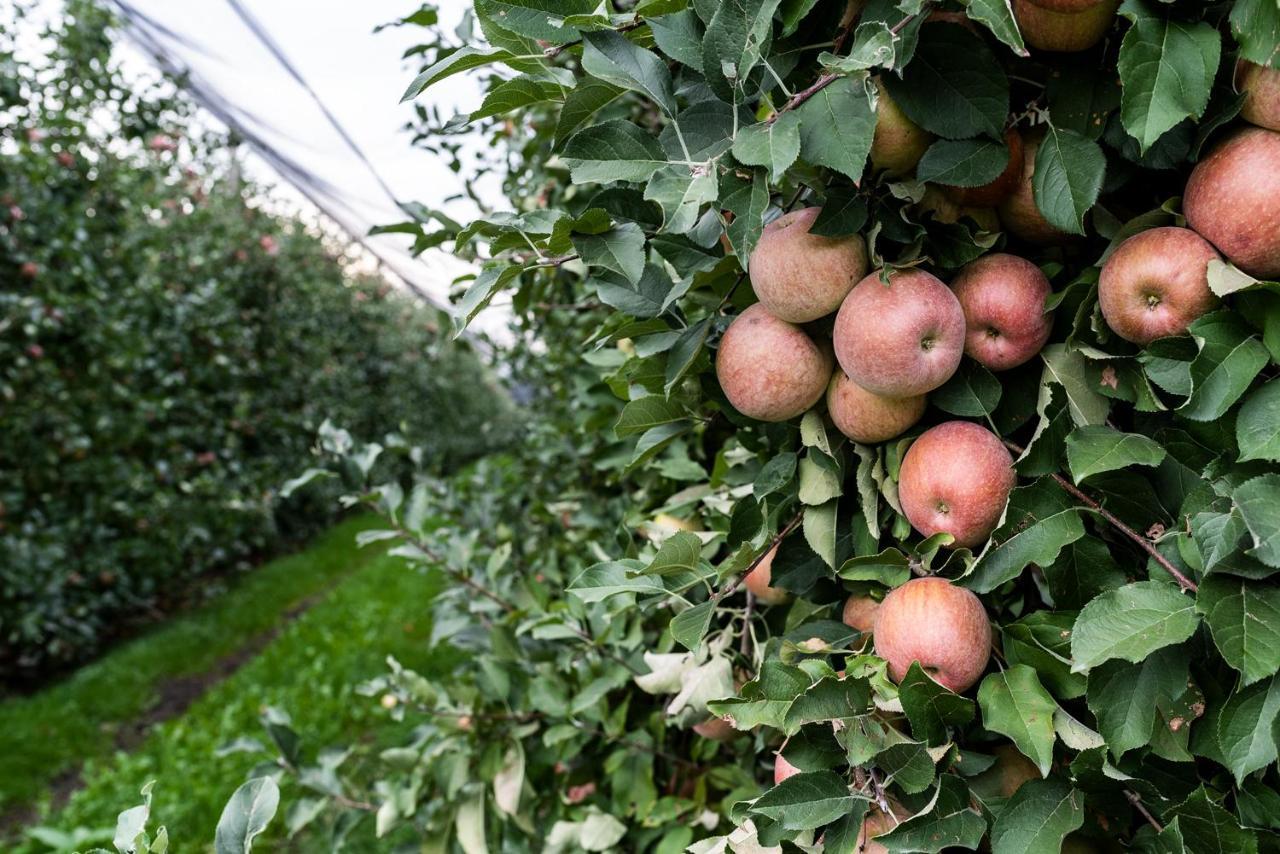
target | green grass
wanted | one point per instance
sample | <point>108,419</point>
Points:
<point>47,733</point>
<point>309,671</point>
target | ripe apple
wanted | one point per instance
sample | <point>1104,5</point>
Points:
<point>989,195</point>
<point>29,269</point>
<point>1019,213</point>
<point>1003,299</point>
<point>945,209</point>
<point>757,581</point>
<point>866,417</point>
<point>1010,771</point>
<point>1064,25</point>
<point>800,276</point>
<point>1156,283</point>
<point>1233,199</point>
<point>898,143</point>
<point>716,729</point>
<point>782,769</point>
<point>860,613</point>
<point>1261,88</point>
<point>956,478</point>
<point>902,339</point>
<point>940,625</point>
<point>770,369</point>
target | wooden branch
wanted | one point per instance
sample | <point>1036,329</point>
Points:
<point>791,526</point>
<point>1136,799</point>
<point>1075,492</point>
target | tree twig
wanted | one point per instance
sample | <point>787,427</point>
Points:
<point>1136,799</point>
<point>733,585</point>
<point>1075,492</point>
<point>555,50</point>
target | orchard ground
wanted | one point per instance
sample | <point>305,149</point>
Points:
<point>298,635</point>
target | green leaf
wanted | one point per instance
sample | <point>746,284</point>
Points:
<point>766,699</point>
<point>891,568</point>
<point>1014,703</point>
<point>954,86</point>
<point>1083,569</point>
<point>486,285</point>
<point>1070,370</point>
<point>844,212</point>
<point>997,16</point>
<point>463,59</point>
<point>690,626</point>
<point>1244,618</point>
<point>645,412</point>
<point>1040,520</point>
<point>774,475</point>
<point>1097,448</point>
<point>246,815</point>
<point>1259,503</point>
<point>1124,697</point>
<point>1068,177</point>
<point>614,151</point>
<point>679,36</point>
<point>1258,424</point>
<point>806,800</point>
<point>589,98</point>
<point>514,94</point>
<point>1038,818</point>
<point>1245,728</point>
<point>972,392</point>
<point>738,36</point>
<point>820,478</point>
<point>1229,358</point>
<point>952,823</point>
<point>684,353</point>
<point>836,128</point>
<point>620,249</point>
<point>1256,26</point>
<point>534,19</point>
<point>681,195</point>
<point>774,145</point>
<point>610,57</point>
<point>747,201</point>
<point>1042,640</point>
<point>680,552</point>
<point>908,765</point>
<point>932,708</point>
<point>1166,69</point>
<point>603,580</point>
<point>1208,828</point>
<point>963,163</point>
<point>820,531</point>
<point>828,700</point>
<point>1131,623</point>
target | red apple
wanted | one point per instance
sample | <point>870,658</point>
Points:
<point>29,269</point>
<point>1261,88</point>
<point>1064,25</point>
<point>898,143</point>
<point>1019,213</point>
<point>989,195</point>
<point>940,625</point>
<point>800,276</point>
<point>870,418</point>
<point>770,369</point>
<point>879,823</point>
<point>1010,771</point>
<point>1003,298</point>
<point>956,478</point>
<point>757,581</point>
<point>716,729</point>
<point>860,613</point>
<point>1156,283</point>
<point>1233,200</point>
<point>901,339</point>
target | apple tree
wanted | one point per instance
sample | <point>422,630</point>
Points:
<point>904,438</point>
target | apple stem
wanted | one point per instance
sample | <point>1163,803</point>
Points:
<point>744,645</point>
<point>1185,583</point>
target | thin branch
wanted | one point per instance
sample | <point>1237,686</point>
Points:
<point>791,526</point>
<point>1136,799</point>
<point>556,50</point>
<point>1185,583</point>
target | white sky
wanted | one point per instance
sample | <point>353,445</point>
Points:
<point>360,77</point>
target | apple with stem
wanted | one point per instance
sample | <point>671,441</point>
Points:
<point>940,625</point>
<point>956,479</point>
<point>1003,298</point>
<point>1156,283</point>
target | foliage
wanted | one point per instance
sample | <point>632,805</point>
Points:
<point>644,145</point>
<point>169,349</point>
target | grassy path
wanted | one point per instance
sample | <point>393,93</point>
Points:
<point>308,667</point>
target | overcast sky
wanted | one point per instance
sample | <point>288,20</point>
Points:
<point>359,75</point>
